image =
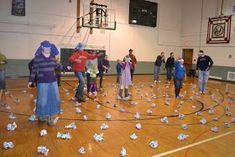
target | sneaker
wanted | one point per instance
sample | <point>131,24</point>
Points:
<point>155,81</point>
<point>158,81</point>
<point>126,98</point>
<point>52,121</point>
<point>81,99</point>
<point>42,119</point>
<point>95,93</point>
<point>179,97</point>
<point>200,92</point>
<point>89,93</point>
<point>119,97</point>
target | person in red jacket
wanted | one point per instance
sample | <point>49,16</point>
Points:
<point>79,59</point>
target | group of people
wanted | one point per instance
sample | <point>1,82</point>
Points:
<point>44,65</point>
<point>204,64</point>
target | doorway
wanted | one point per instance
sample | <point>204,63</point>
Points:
<point>188,59</point>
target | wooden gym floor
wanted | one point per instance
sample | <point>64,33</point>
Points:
<point>202,142</point>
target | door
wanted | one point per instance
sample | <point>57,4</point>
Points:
<point>188,59</point>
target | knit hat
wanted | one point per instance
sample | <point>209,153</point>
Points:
<point>47,44</point>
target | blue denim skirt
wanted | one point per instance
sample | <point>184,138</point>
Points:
<point>48,99</point>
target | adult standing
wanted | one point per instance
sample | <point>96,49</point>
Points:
<point>170,65</point>
<point>157,66</point>
<point>3,62</point>
<point>204,64</point>
<point>79,59</point>
<point>133,61</point>
<point>48,98</point>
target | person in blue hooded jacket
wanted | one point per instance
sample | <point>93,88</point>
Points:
<point>180,74</point>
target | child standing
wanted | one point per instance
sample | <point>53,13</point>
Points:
<point>179,75</point>
<point>125,78</point>
<point>119,70</point>
<point>93,71</point>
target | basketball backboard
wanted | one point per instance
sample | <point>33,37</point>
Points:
<point>98,16</point>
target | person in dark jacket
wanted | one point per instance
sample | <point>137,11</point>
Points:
<point>204,64</point>
<point>30,66</point>
<point>170,65</point>
<point>134,62</point>
<point>103,67</point>
<point>157,65</point>
<point>118,70</point>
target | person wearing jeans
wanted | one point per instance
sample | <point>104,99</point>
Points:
<point>170,65</point>
<point>81,84</point>
<point>180,72</point>
<point>79,59</point>
<point>204,64</point>
<point>157,66</point>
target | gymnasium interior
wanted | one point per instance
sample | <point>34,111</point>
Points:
<point>153,122</point>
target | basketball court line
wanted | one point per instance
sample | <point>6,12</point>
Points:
<point>193,144</point>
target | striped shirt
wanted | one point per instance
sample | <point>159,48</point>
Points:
<point>45,69</point>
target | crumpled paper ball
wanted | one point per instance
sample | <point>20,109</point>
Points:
<point>43,132</point>
<point>133,136</point>
<point>134,103</point>
<point>98,137</point>
<point>149,112</point>
<point>104,126</point>
<point>122,110</point>
<point>137,115</point>
<point>153,105</point>
<point>215,129</point>
<point>181,116</point>
<point>64,136</point>
<point>12,116</point>
<point>82,150</point>
<point>78,110</point>
<point>43,150</point>
<point>153,144</point>
<point>227,125</point>
<point>71,126</point>
<point>123,152</point>
<point>108,116</point>
<point>164,120</point>
<point>8,145</point>
<point>203,121</point>
<point>182,137</point>
<point>11,127</point>
<point>85,118</point>
<point>184,126</point>
<point>138,126</point>
<point>33,118</point>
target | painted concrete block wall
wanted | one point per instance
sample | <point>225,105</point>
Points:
<point>54,20</point>
<point>195,17</point>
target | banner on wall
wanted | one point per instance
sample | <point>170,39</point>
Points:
<point>18,7</point>
<point>219,29</point>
